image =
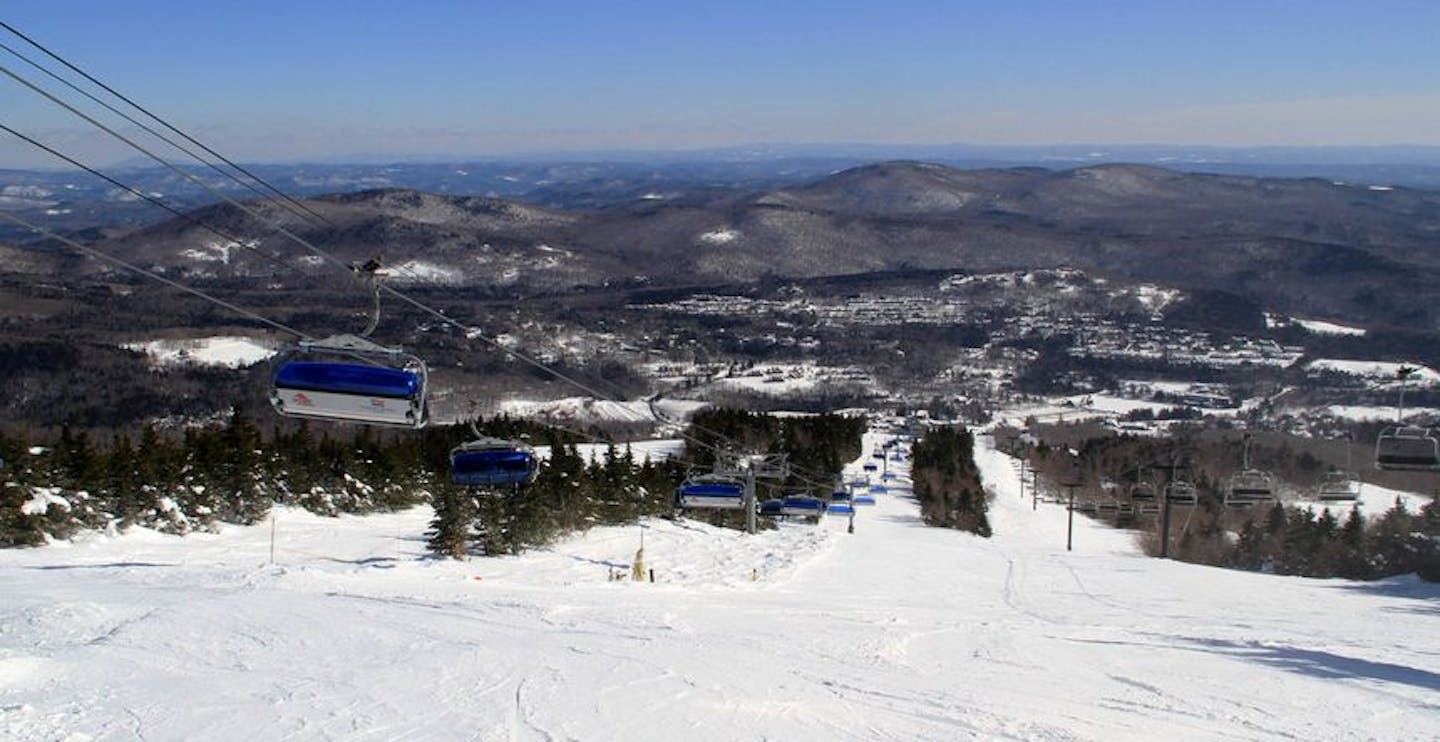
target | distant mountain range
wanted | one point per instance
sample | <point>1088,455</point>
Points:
<point>1309,247</point>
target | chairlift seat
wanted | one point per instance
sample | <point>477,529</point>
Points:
<point>864,500</point>
<point>353,391</point>
<point>1182,493</point>
<point>1338,486</point>
<point>1250,487</point>
<point>349,378</point>
<point>492,462</point>
<point>711,492</point>
<point>802,506</point>
<point>1407,448</point>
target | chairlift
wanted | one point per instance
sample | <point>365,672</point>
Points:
<point>1249,486</point>
<point>1181,492</point>
<point>349,377</point>
<point>492,462</point>
<point>1143,491</point>
<point>376,385</point>
<point>879,489</point>
<point>864,500</point>
<point>870,467</point>
<point>711,492</point>
<point>841,508</point>
<point>1407,448</point>
<point>802,507</point>
<point>1404,447</point>
<point>1338,486</point>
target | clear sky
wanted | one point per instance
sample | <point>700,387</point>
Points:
<point>310,79</point>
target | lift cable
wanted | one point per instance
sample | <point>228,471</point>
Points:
<point>470,332</point>
<point>243,244</point>
<point>99,255</point>
<point>293,202</point>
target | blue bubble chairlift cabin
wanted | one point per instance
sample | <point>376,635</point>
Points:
<point>349,378</point>
<point>802,507</point>
<point>712,492</point>
<point>492,462</point>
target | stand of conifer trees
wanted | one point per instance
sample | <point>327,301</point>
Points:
<point>947,482</point>
<point>1291,540</point>
<point>179,482</point>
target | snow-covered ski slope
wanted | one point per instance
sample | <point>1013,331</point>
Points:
<point>898,631</point>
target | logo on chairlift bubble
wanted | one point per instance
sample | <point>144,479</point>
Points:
<point>303,399</point>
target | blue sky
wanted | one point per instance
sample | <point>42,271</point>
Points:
<point>266,80</point>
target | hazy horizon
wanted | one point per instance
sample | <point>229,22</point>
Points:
<point>283,82</point>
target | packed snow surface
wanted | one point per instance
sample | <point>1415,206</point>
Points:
<point>420,271</point>
<point>1329,328</point>
<point>1370,412</point>
<point>1376,369</point>
<point>720,236</point>
<point>227,351</point>
<point>897,631</point>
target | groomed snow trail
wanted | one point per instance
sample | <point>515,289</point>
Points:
<point>897,631</point>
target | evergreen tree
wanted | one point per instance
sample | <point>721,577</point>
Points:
<point>453,526</point>
<point>1391,549</point>
<point>947,482</point>
<point>123,483</point>
<point>1428,560</point>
